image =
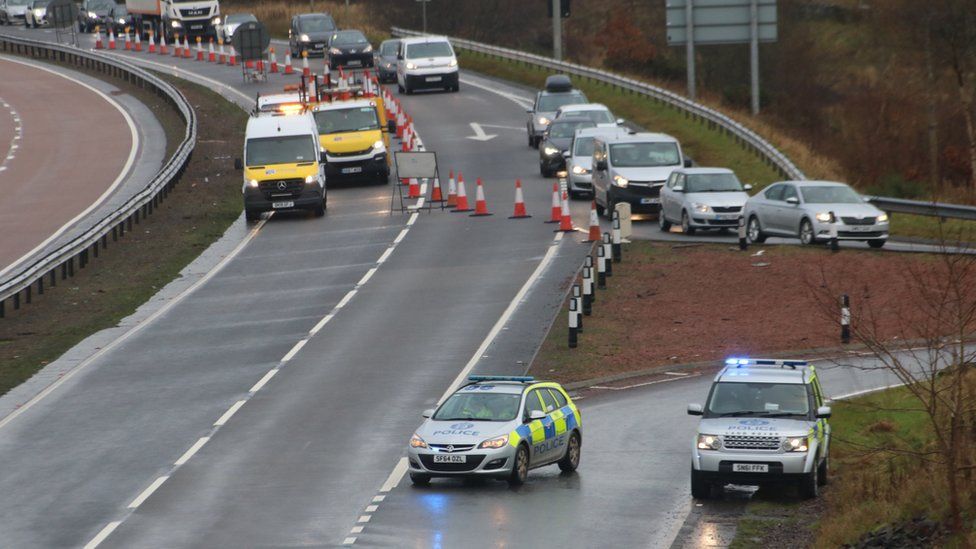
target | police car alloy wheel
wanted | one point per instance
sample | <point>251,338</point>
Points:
<point>520,469</point>
<point>570,461</point>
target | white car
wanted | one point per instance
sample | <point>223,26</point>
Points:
<point>427,62</point>
<point>595,112</point>
<point>702,198</point>
<point>231,22</point>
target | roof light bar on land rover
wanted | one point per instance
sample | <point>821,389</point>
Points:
<point>767,362</point>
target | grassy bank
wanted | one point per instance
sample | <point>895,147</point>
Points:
<point>130,271</point>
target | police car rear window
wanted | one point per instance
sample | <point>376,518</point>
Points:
<point>560,399</point>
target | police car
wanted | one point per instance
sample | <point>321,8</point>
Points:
<point>497,427</point>
<point>764,422</point>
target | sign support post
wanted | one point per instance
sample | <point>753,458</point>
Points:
<point>557,30</point>
<point>754,52</point>
<point>690,47</point>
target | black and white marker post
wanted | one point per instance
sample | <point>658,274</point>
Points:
<point>607,253</point>
<point>588,290</point>
<point>588,268</point>
<point>617,248</point>
<point>601,268</point>
<point>578,296</point>
<point>834,245</point>
<point>743,241</point>
<point>573,323</point>
<point>845,319</point>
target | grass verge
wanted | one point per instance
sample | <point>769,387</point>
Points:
<point>130,271</point>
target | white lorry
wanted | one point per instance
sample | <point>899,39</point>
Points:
<point>186,18</point>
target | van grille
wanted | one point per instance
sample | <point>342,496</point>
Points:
<point>272,189</point>
<point>350,153</point>
<point>751,443</point>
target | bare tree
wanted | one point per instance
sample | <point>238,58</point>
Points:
<point>954,27</point>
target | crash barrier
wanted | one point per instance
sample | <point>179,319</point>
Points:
<point>609,250</point>
<point>18,285</point>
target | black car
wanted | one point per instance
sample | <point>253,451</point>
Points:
<point>121,18</point>
<point>310,32</point>
<point>95,13</point>
<point>385,61</point>
<point>349,48</point>
<point>556,140</point>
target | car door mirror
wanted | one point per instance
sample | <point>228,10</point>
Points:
<point>823,412</point>
<point>678,189</point>
<point>747,186</point>
<point>391,126</point>
<point>620,121</point>
<point>323,157</point>
<point>567,154</point>
<point>793,200</point>
<point>600,165</point>
<point>694,409</point>
<point>529,111</point>
<point>535,415</point>
<point>238,165</point>
<point>426,414</point>
<point>687,162</point>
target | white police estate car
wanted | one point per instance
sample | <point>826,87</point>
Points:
<point>764,423</point>
<point>497,427</point>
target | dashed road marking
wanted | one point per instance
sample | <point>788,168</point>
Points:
<point>192,450</point>
<point>229,413</point>
<point>148,492</point>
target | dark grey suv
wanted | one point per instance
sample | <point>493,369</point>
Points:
<point>310,32</point>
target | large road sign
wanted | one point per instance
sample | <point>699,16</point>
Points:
<point>720,21</point>
<point>251,40</point>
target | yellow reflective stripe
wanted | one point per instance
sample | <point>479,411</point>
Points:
<point>538,432</point>
<point>560,426</point>
<point>514,438</point>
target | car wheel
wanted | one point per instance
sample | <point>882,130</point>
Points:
<point>457,87</point>
<point>407,89</point>
<point>700,489</point>
<point>319,210</point>
<point>544,171</point>
<point>400,88</point>
<point>599,207</point>
<point>806,233</point>
<point>252,216</point>
<point>754,231</point>
<point>662,222</point>
<point>686,224</point>
<point>420,480</point>
<point>810,485</point>
<point>520,469</point>
<point>823,470</point>
<point>571,460</point>
<point>877,244</point>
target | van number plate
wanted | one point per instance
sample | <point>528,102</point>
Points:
<point>650,200</point>
<point>356,169</point>
<point>450,459</point>
<point>433,78</point>
<point>750,468</point>
<point>279,205</point>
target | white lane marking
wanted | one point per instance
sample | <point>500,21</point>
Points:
<point>294,350</point>
<point>401,236</point>
<point>865,392</point>
<point>325,320</point>
<point>346,299</point>
<point>187,75</point>
<point>133,134</point>
<point>229,413</point>
<point>192,450</point>
<point>369,274</point>
<point>681,374</point>
<point>378,499</point>
<point>147,492</point>
<point>349,541</point>
<point>521,101</point>
<point>479,133</point>
<point>394,479</point>
<point>135,329</point>
<point>104,533</point>
<point>364,519</point>
<point>386,254</point>
<point>371,508</point>
<point>645,384</point>
<point>18,132</point>
<point>412,220</point>
<point>267,377</point>
<point>356,530</point>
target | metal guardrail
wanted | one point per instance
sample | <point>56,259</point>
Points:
<point>715,120</point>
<point>22,280</point>
<point>921,207</point>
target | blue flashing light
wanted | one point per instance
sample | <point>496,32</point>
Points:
<point>517,379</point>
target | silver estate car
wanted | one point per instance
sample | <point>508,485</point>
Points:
<point>497,427</point>
<point>702,198</point>
<point>764,422</point>
<point>809,209</point>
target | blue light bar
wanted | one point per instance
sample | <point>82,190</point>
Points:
<point>517,379</point>
<point>740,362</point>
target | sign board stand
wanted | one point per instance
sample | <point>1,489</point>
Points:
<point>251,41</point>
<point>420,165</point>
<point>707,22</point>
<point>62,14</point>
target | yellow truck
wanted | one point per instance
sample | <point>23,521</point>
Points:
<point>355,135</point>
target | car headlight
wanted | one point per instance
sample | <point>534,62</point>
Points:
<point>795,444</point>
<point>709,442</point>
<point>562,174</point>
<point>580,170</point>
<point>417,442</point>
<point>824,217</point>
<point>883,218</point>
<point>121,21</point>
<point>304,37</point>
<point>543,121</point>
<point>335,51</point>
<point>620,181</point>
<point>215,20</point>
<point>368,49</point>
<point>175,24</point>
<point>497,442</point>
<point>310,179</point>
<point>379,145</point>
<point>389,65</point>
<point>700,208</point>
<point>550,150</point>
<point>93,15</point>
<point>411,66</point>
<point>453,63</point>
<point>253,183</point>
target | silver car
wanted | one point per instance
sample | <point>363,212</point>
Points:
<point>764,422</point>
<point>559,91</point>
<point>231,22</point>
<point>810,210</point>
<point>497,427</point>
<point>579,159</point>
<point>702,198</point>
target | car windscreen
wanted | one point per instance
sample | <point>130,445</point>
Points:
<point>735,399</point>
<point>317,24</point>
<point>479,406</point>
<point>263,151</point>
<point>584,146</point>
<point>834,194</point>
<point>712,183</point>
<point>595,116</point>
<point>429,49</point>
<point>389,48</point>
<point>94,6</point>
<point>354,119</point>
<point>349,38</point>
<point>240,18</point>
<point>551,102</point>
<point>565,129</point>
<point>644,155</point>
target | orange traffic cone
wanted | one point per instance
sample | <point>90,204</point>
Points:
<point>221,52</point>
<point>451,191</point>
<point>594,235</point>
<point>98,38</point>
<point>436,195</point>
<point>414,189</point>
<point>187,53</point>
<point>177,46</point>
<point>480,204</point>
<point>566,221</point>
<point>128,43</point>
<point>462,197</point>
<point>211,53</point>
<point>138,46</point>
<point>305,70</point>
<point>152,43</point>
<point>557,210</point>
<point>111,39</point>
<point>274,61</point>
<point>163,49</point>
<point>199,48</point>
<point>519,203</point>
<point>232,58</point>
<point>288,68</point>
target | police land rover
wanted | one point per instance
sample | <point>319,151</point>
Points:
<point>764,423</point>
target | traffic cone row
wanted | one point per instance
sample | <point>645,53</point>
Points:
<point>98,38</point>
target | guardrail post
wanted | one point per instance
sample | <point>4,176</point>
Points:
<point>3,308</point>
<point>71,266</point>
<point>607,253</point>
<point>845,319</point>
<point>587,290</point>
<point>40,285</point>
<point>588,268</point>
<point>578,296</point>
<point>743,241</point>
<point>617,246</point>
<point>573,319</point>
<point>17,301</point>
<point>54,277</point>
<point>601,269</point>
<point>834,245</point>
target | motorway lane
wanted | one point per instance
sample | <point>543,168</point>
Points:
<point>47,161</point>
<point>631,489</point>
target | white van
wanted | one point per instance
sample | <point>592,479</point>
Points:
<point>426,62</point>
<point>632,168</point>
